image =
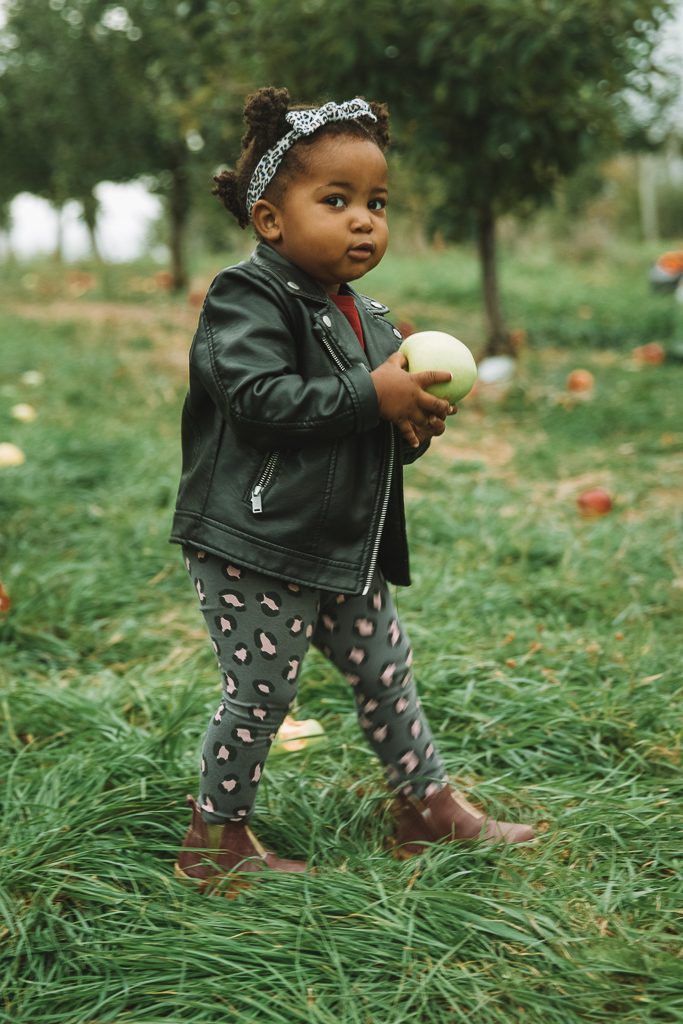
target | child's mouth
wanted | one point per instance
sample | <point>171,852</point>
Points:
<point>361,251</point>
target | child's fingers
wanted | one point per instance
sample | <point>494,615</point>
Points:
<point>428,377</point>
<point>433,406</point>
<point>408,431</point>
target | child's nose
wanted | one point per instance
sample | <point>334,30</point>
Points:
<point>362,220</point>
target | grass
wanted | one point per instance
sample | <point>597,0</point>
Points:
<point>548,652</point>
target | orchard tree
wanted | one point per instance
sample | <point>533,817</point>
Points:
<point>101,91</point>
<point>63,102</point>
<point>186,65</point>
<point>499,99</point>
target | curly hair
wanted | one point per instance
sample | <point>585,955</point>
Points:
<point>264,114</point>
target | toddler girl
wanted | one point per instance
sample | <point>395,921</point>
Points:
<point>299,418</point>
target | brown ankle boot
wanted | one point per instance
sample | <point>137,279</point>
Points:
<point>448,816</point>
<point>209,853</point>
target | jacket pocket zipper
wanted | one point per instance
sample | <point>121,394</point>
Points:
<point>336,359</point>
<point>262,482</point>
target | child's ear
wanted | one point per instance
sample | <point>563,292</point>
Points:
<point>266,220</point>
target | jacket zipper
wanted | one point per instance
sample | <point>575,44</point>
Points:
<point>333,355</point>
<point>382,514</point>
<point>262,482</point>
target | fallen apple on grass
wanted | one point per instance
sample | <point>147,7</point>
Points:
<point>594,502</point>
<point>296,734</point>
<point>436,350</point>
<point>652,353</point>
<point>580,381</point>
<point>11,455</point>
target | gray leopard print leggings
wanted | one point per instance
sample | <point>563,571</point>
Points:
<point>260,629</point>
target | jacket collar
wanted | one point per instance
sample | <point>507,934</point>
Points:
<point>303,286</point>
<point>293,279</point>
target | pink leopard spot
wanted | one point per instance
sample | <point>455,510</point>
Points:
<point>241,654</point>
<point>208,806</point>
<point>401,705</point>
<point>410,761</point>
<point>233,572</point>
<point>394,633</point>
<point>260,714</point>
<point>356,655</point>
<point>380,734</point>
<point>351,678</point>
<point>377,601</point>
<point>228,785</point>
<point>429,752</point>
<point>244,735</point>
<point>416,728</point>
<point>293,670</point>
<point>371,706</point>
<point>387,676</point>
<point>364,627</point>
<point>256,774</point>
<point>267,645</point>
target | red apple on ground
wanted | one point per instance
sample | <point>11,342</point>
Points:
<point>436,350</point>
<point>580,380</point>
<point>653,353</point>
<point>595,502</point>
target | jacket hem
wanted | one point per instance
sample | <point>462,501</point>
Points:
<point>274,560</point>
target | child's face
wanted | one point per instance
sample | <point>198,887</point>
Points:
<point>331,221</point>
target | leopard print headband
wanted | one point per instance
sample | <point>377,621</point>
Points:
<point>304,122</point>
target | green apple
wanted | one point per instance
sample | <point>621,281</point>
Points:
<point>436,350</point>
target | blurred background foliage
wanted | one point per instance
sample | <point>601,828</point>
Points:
<point>500,109</point>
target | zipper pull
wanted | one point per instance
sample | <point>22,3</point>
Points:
<point>256,503</point>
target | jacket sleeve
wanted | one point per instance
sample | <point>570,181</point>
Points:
<point>409,454</point>
<point>246,357</point>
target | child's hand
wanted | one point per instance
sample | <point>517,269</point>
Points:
<point>403,400</point>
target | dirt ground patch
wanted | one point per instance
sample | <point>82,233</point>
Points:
<point>168,327</point>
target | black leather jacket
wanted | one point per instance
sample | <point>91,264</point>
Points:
<point>287,467</point>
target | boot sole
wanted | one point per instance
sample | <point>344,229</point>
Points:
<point>405,852</point>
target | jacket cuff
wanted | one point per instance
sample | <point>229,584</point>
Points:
<point>363,395</point>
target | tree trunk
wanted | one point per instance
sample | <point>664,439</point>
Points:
<point>90,206</point>
<point>58,253</point>
<point>498,341</point>
<point>179,209</point>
